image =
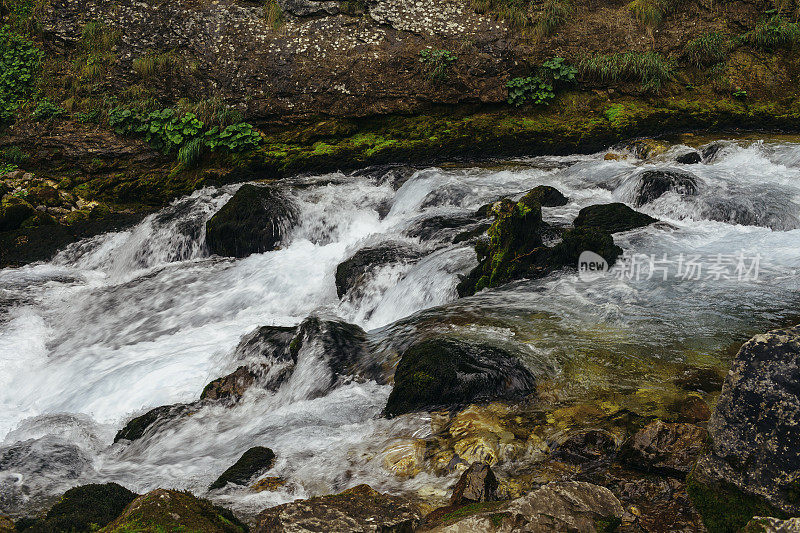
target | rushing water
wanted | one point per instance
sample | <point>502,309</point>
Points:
<point>127,321</point>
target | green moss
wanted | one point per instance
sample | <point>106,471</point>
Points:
<point>608,524</point>
<point>725,508</point>
<point>474,509</point>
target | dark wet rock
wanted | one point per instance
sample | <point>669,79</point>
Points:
<point>587,446</point>
<point>748,207</point>
<point>269,364</point>
<point>655,183</point>
<point>13,212</point>
<point>477,484</point>
<point>612,218</point>
<point>692,409</point>
<point>711,151</point>
<point>230,387</point>
<point>470,235</point>
<point>755,441</point>
<point>85,508</point>
<point>546,196</point>
<point>359,509</point>
<point>354,271</point>
<point>343,348</point>
<point>172,510</point>
<point>689,158</point>
<point>255,220</point>
<point>700,380</point>
<point>655,504</point>
<point>669,448</point>
<point>578,240</point>
<point>395,175</point>
<point>445,372</point>
<point>254,461</point>
<point>440,227</point>
<point>137,427</point>
<point>764,524</point>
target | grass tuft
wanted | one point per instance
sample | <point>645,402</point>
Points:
<point>554,14</point>
<point>774,32</point>
<point>708,49</point>
<point>192,152</point>
<point>651,69</point>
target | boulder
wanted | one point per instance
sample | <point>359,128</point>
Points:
<point>655,183</point>
<point>755,427</point>
<point>231,387</point>
<point>172,510</point>
<point>645,148</point>
<point>252,462</point>
<point>352,273</point>
<point>546,196</point>
<point>477,484</point>
<point>359,509</point>
<point>13,212</point>
<point>584,446</point>
<point>612,218</point>
<point>668,448</point>
<point>763,524</point>
<point>440,227</point>
<point>137,427</point>
<point>255,220</point>
<point>689,158</point>
<point>446,372</point>
<point>84,508</point>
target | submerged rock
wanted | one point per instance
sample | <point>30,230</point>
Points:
<point>689,158</point>
<point>252,462</point>
<point>359,509</point>
<point>655,183</point>
<point>612,218</point>
<point>351,273</point>
<point>477,484</point>
<point>668,448</point>
<point>255,220</point>
<point>755,427</point>
<point>84,508</point>
<point>445,372</point>
<point>172,510</point>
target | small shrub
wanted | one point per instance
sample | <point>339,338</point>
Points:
<point>554,14</point>
<point>235,138</point>
<point>19,62</point>
<point>651,69</point>
<point>437,62</point>
<point>273,15</point>
<point>531,89</point>
<point>46,110</point>
<point>774,32</point>
<point>708,49</point>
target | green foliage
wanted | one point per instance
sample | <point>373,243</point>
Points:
<point>14,155</point>
<point>47,110</point>
<point>741,94</point>
<point>774,32</point>
<point>708,49</point>
<point>651,13</point>
<point>513,12</point>
<point>94,116</point>
<point>5,168</point>
<point>95,55</point>
<point>558,70</point>
<point>169,130</point>
<point>651,69</point>
<point>153,65</point>
<point>23,15</point>
<point>437,62</point>
<point>19,62</point>
<point>554,14</point>
<point>273,15</point>
<point>531,89</point>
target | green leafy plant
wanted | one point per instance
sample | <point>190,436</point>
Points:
<point>708,49</point>
<point>651,69</point>
<point>558,70</point>
<point>14,155</point>
<point>47,110</point>
<point>5,168</point>
<point>741,94</point>
<point>19,62</point>
<point>531,89</point>
<point>774,32</point>
<point>235,138</point>
<point>437,62</point>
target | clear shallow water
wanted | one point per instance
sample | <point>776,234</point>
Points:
<point>124,322</point>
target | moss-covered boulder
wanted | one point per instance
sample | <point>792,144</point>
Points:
<point>612,218</point>
<point>256,220</point>
<point>171,510</point>
<point>85,508</point>
<point>546,196</point>
<point>578,240</point>
<point>356,510</point>
<point>13,212</point>
<point>252,462</point>
<point>447,372</point>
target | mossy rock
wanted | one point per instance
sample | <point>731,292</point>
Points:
<point>14,212</point>
<point>612,218</point>
<point>724,507</point>
<point>171,510</point>
<point>256,220</point>
<point>579,240</point>
<point>447,372</point>
<point>545,196</point>
<point>6,525</point>
<point>84,508</point>
<point>252,462</point>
